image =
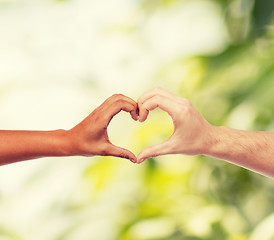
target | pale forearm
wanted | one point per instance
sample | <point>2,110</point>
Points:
<point>193,135</point>
<point>24,145</point>
<point>251,150</point>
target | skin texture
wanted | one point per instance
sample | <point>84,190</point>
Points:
<point>193,135</point>
<point>88,138</point>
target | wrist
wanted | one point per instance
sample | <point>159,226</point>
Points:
<point>64,142</point>
<point>214,140</point>
<point>75,144</point>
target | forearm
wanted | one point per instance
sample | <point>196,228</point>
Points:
<point>252,150</point>
<point>18,146</point>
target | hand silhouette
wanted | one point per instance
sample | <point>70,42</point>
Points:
<point>90,137</point>
<point>190,128</point>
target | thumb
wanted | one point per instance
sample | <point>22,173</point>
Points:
<point>154,151</point>
<point>116,151</point>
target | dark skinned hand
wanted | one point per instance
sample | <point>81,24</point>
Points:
<point>90,137</point>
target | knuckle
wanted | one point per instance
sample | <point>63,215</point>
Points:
<point>123,155</point>
<point>103,119</point>
<point>158,89</point>
<point>120,102</point>
<point>186,105</point>
<point>120,95</point>
<point>114,95</point>
<point>186,109</point>
<point>131,109</point>
<point>117,95</point>
<point>97,118</point>
<point>156,99</point>
<point>186,101</point>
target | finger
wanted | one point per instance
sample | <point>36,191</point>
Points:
<point>134,113</point>
<point>157,92</point>
<point>116,96</point>
<point>154,151</point>
<point>164,103</point>
<point>121,152</point>
<point>153,92</point>
<point>143,113</point>
<point>118,99</point>
<point>119,106</point>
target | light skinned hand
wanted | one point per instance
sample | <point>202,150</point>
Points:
<point>190,128</point>
<point>90,137</point>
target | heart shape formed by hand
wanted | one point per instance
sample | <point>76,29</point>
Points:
<point>191,130</point>
<point>144,135</point>
<point>90,137</point>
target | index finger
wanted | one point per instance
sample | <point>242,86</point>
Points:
<point>154,92</point>
<point>117,103</point>
<point>164,103</point>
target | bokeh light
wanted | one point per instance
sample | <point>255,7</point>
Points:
<point>59,60</point>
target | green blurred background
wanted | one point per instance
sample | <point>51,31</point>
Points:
<point>60,59</point>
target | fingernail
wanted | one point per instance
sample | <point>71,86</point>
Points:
<point>132,160</point>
